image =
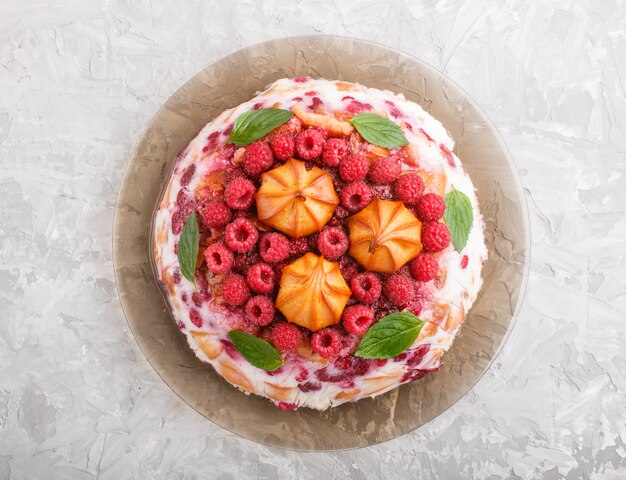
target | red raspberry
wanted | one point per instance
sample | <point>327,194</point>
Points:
<point>235,289</point>
<point>241,235</point>
<point>335,151</point>
<point>358,319</point>
<point>286,336</point>
<point>326,342</point>
<point>339,216</point>
<point>356,196</point>
<point>283,145</point>
<point>353,167</point>
<point>287,406</point>
<point>348,268</point>
<point>409,188</point>
<point>430,207</point>
<point>239,194</point>
<point>435,236</point>
<point>298,246</point>
<point>464,262</point>
<point>366,287</point>
<point>257,158</point>
<point>323,132</point>
<point>309,144</point>
<point>260,310</point>
<point>424,268</point>
<point>261,278</point>
<point>219,259</point>
<point>273,247</point>
<point>385,170</point>
<point>215,214</point>
<point>332,242</point>
<point>195,318</point>
<point>399,289</point>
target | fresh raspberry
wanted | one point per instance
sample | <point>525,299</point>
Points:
<point>409,188</point>
<point>339,217</point>
<point>261,278</point>
<point>219,259</point>
<point>283,145</point>
<point>326,342</point>
<point>241,235</point>
<point>435,236</point>
<point>332,242</point>
<point>464,262</point>
<point>195,318</point>
<point>257,158</point>
<point>430,207</point>
<point>366,287</point>
<point>399,289</point>
<point>309,144</point>
<point>358,319</point>
<point>424,268</point>
<point>348,268</point>
<point>385,170</point>
<point>260,310</point>
<point>215,214</point>
<point>353,167</point>
<point>298,246</point>
<point>239,194</point>
<point>335,151</point>
<point>286,336</point>
<point>273,247</point>
<point>235,289</point>
<point>356,196</point>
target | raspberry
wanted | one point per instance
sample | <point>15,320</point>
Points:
<point>424,268</point>
<point>235,289</point>
<point>348,268</point>
<point>287,406</point>
<point>286,336</point>
<point>241,235</point>
<point>358,319</point>
<point>326,342</point>
<point>219,259</point>
<point>195,318</point>
<point>257,158</point>
<point>187,175</point>
<point>298,246</point>
<point>260,310</point>
<point>332,242</point>
<point>309,144</point>
<point>430,207</point>
<point>353,167</point>
<point>366,287</point>
<point>261,278</point>
<point>409,188</point>
<point>385,170</point>
<point>283,145</point>
<point>239,194</point>
<point>435,236</point>
<point>339,216</point>
<point>273,247</point>
<point>335,151</point>
<point>215,214</point>
<point>464,262</point>
<point>399,289</point>
<point>356,196</point>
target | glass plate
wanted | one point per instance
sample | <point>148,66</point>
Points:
<point>235,79</point>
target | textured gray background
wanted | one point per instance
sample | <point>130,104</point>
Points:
<point>79,80</point>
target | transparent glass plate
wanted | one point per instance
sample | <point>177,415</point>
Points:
<point>235,79</point>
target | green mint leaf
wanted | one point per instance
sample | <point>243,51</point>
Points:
<point>379,130</point>
<point>188,248</point>
<point>252,125</point>
<point>258,352</point>
<point>459,216</point>
<point>390,336</point>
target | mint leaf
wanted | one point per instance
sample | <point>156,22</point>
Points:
<point>391,336</point>
<point>258,352</point>
<point>379,130</point>
<point>188,248</point>
<point>458,216</point>
<point>252,125</point>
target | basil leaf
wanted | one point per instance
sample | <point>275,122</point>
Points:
<point>188,248</point>
<point>379,130</point>
<point>390,336</point>
<point>458,216</point>
<point>258,352</point>
<point>252,125</point>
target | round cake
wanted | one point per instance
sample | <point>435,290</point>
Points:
<point>320,243</point>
